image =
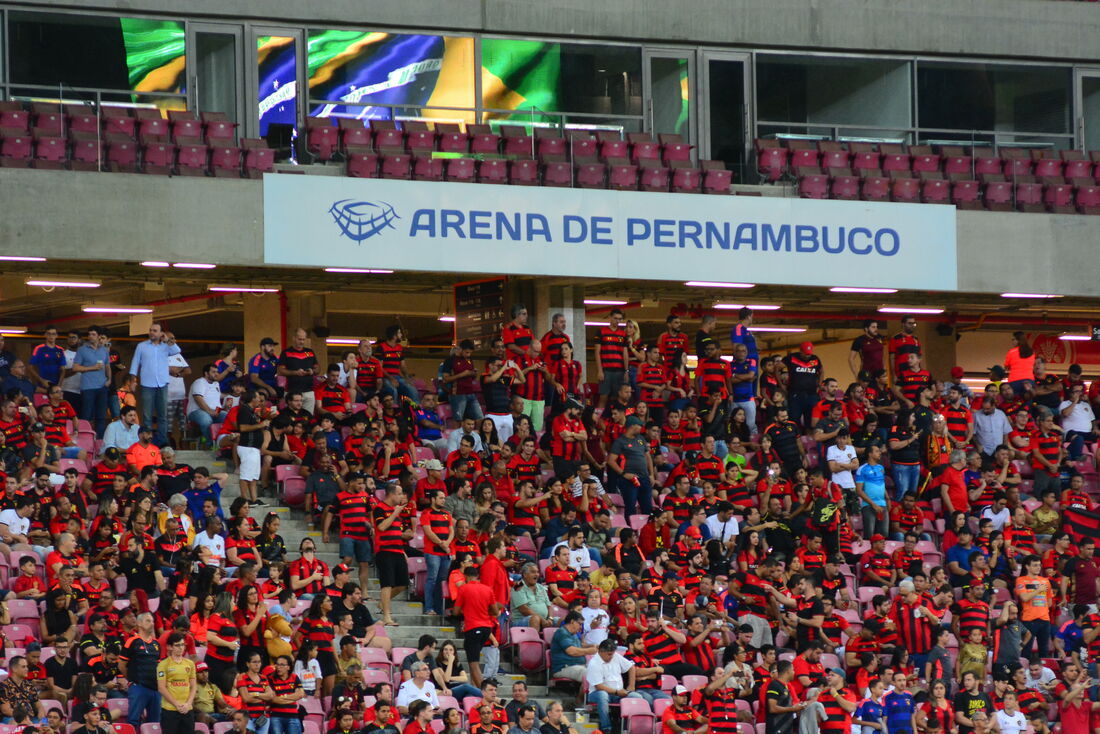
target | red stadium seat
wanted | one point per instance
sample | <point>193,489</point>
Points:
<point>1049,167</point>
<point>591,175</point>
<point>258,158</point>
<point>813,186</point>
<point>16,151</point>
<point>427,168</point>
<point>356,136</point>
<point>482,139</point>
<point>451,138</point>
<point>652,176</point>
<point>844,187</point>
<point>50,152</point>
<point>193,160</point>
<point>1077,164</point>
<point>418,137</point>
<point>875,188</point>
<point>524,172</point>
<point>771,159</point>
<point>582,145</point>
<point>386,135</point>
<point>85,122</point>
<point>865,157</point>
<point>673,148</point>
<point>15,121</point>
<point>121,153</point>
<point>833,154</point>
<point>322,139</point>
<point>896,162</point>
<point>612,147</point>
<point>516,141</point>
<point>396,165</point>
<point>716,179</point>
<point>803,153</point>
<point>998,196</point>
<point>645,150</point>
<point>967,194</point>
<point>1088,199</point>
<point>53,123</point>
<point>547,142</point>
<point>935,191</point>
<point>225,159</point>
<point>158,158</point>
<point>459,169</point>
<point>905,190</point>
<point>686,179</point>
<point>1029,197</point>
<point>493,171</point>
<point>221,130</point>
<point>622,175</point>
<point>87,152</point>
<point>987,164</point>
<point>1059,198</point>
<point>557,173</point>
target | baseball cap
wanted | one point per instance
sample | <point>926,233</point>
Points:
<point>573,403</point>
<point>878,538</point>
<point>34,647</point>
<point>112,453</point>
<point>145,429</point>
<point>200,666</point>
<point>38,428</point>
<point>433,465</point>
<point>693,532</point>
<point>267,340</point>
<point>634,421</point>
<point>340,568</point>
<point>957,373</point>
<point>997,371</point>
<point>42,472</point>
<point>679,691</point>
<point>807,347</point>
<point>670,576</point>
<point>837,671</point>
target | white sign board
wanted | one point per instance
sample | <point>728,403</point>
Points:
<point>475,228</point>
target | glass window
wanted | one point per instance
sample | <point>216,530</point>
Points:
<point>386,75</point>
<point>144,56</point>
<point>277,75</point>
<point>560,77</point>
<point>869,97</point>
<point>993,97</point>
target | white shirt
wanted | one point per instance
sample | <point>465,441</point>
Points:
<point>210,392</point>
<point>72,382</point>
<point>408,692</point>
<point>590,615</point>
<point>215,544</point>
<point>990,430</point>
<point>16,525</point>
<point>1012,723</point>
<point>844,455</point>
<point>579,558</point>
<point>722,530</point>
<point>999,519</point>
<point>1046,677</point>
<point>609,674</point>
<point>1080,419</point>
<point>176,388</point>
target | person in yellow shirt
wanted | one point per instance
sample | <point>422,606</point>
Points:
<point>1036,597</point>
<point>177,684</point>
<point>177,509</point>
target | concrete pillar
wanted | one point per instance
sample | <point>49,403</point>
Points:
<point>307,311</point>
<point>262,318</point>
<point>567,300</point>
<point>940,352</point>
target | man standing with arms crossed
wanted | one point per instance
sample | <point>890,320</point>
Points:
<point>138,664</point>
<point>150,365</point>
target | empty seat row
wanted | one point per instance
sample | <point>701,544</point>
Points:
<point>1060,198</point>
<point>325,140</point>
<point>619,174</point>
<point>143,123</point>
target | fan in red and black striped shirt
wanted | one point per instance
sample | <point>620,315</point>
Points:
<point>662,642</point>
<point>699,649</point>
<point>287,689</point>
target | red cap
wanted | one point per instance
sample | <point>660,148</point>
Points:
<point>201,666</point>
<point>957,373</point>
<point>693,532</point>
<point>878,538</point>
<point>807,347</point>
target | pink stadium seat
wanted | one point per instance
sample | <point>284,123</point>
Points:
<point>151,127</point>
<point>1059,198</point>
<point>998,196</point>
<point>771,160</point>
<point>986,164</point>
<point>547,142</point>
<point>963,164</point>
<point>716,179</point>
<point>225,160</point>
<point>516,141</point>
<point>833,154</point>
<point>258,160</point>
<point>121,154</point>
<point>221,130</point>
<point>844,187</point>
<point>355,137</point>
<point>814,186</point>
<point>895,162</point>
<point>613,148</point>
<point>1049,167</point>
<point>15,121</point>
<point>934,191</point>
<point>636,715</point>
<point>645,150</point>
<point>396,165</point>
<point>418,137</point>
<point>118,120</point>
<point>85,122</point>
<point>582,145</point>
<point>687,180</point>
<point>193,160</point>
<point>294,491</point>
<point>50,152</point>
<point>427,168</point>
<point>322,139</point>
<point>451,138</point>
<point>158,158</point>
<point>1088,199</point>
<point>1029,197</point>
<point>803,153</point>
<point>483,139</point>
<point>865,158</point>
<point>387,136</point>
<point>524,172</point>
<point>926,162</point>
<point>1077,164</point>
<point>86,153</point>
<point>15,151</point>
<point>591,176</point>
<point>905,190</point>
<point>876,188</point>
<point>530,648</point>
<point>52,123</point>
<point>460,169</point>
<point>493,171</point>
<point>557,173</point>
<point>622,176</point>
<point>652,176</point>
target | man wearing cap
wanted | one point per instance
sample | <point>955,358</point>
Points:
<point>604,674</point>
<point>209,701</point>
<point>877,564</point>
<point>143,453</point>
<point>123,433</point>
<point>630,462</point>
<point>680,718</point>
<point>804,371</point>
<point>839,702</point>
<point>263,369</point>
<point>39,452</point>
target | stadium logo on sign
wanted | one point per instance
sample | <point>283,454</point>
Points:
<point>361,220</point>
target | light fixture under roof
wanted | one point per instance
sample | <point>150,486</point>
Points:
<point>13,329</point>
<point>23,258</point>
<point>753,306</point>
<point>597,323</point>
<point>854,289</point>
<point>342,341</point>
<point>241,289</point>
<point>1029,295</point>
<point>918,310</point>
<point>1075,337</point>
<point>449,319</point>
<point>117,309</point>
<point>54,283</point>
<point>714,284</point>
<point>603,302</point>
<point>374,271</point>
<point>155,264</point>
<point>195,266</point>
<point>779,329</point>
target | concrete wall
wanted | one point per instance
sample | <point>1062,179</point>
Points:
<point>1019,28</point>
<point>131,217</point>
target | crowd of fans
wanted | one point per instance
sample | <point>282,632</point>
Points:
<point>742,542</point>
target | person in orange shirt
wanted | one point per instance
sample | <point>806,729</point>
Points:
<point>143,453</point>
<point>1036,597</point>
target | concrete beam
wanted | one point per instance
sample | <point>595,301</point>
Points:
<point>1008,28</point>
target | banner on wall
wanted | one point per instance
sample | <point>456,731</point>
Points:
<point>475,228</point>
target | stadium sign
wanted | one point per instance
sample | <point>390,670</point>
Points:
<point>453,227</point>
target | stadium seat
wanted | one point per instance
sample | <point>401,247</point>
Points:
<point>185,124</point>
<point>218,126</point>
<point>524,172</point>
<point>459,169</point>
<point>396,165</point>
<point>1016,162</point>
<point>151,126</point>
<point>52,123</point>
<point>686,179</point>
<point>85,122</point>
<point>582,144</point>
<point>557,173</point>
<point>985,163</point>
<point>530,649</point>
<point>622,175</point>
<point>875,188</point>
<point>193,160</point>
<point>896,162</point>
<point>833,154</point>
<point>492,171</point>
<point>1029,197</point>
<point>86,152</point>
<point>50,152</point>
<point>1077,164</point>
<point>1058,198</point>
<point>636,716</point>
<point>225,158</point>
<point>118,120</point>
<point>591,175</point>
<point>427,168</point>
<point>803,153</point>
<point>960,164</point>
<point>771,160</point>
<point>482,139</point>
<point>418,137</point>
<point>612,145</point>
<point>14,119</point>
<point>905,190</point>
<point>924,159</point>
<point>516,141</point>
<point>998,196</point>
<point>673,148</point>
<point>652,176</point>
<point>935,191</point>
<point>451,138</point>
<point>158,158</point>
<point>121,153</point>
<point>362,163</point>
<point>322,139</point>
<point>844,187</point>
<point>1088,199</point>
<point>258,158</point>
<point>716,179</point>
<point>16,151</point>
<point>387,135</point>
<point>865,157</point>
<point>643,150</point>
<point>1049,167</point>
<point>354,136</point>
<point>813,186</point>
<point>547,142</point>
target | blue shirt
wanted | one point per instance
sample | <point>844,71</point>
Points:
<point>874,482</point>
<point>961,556</point>
<point>264,367</point>
<point>6,358</point>
<point>195,498</point>
<point>899,711</point>
<point>119,436</point>
<point>151,363</point>
<point>870,711</point>
<point>741,335</point>
<point>743,391</point>
<point>23,385</point>
<point>563,640</point>
<point>431,434</point>
<point>230,377</point>
<point>48,361</point>
<point>88,356</point>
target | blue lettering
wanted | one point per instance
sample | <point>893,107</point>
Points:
<point>423,220</point>
<point>479,225</point>
<point>805,238</point>
<point>690,230</point>
<point>567,223</point>
<point>863,249</point>
<point>601,231</point>
<point>745,235</point>
<point>636,231</point>
<point>878,242</point>
<point>719,237</point>
<point>780,240</point>
<point>451,219</point>
<point>663,233</point>
<point>832,249</point>
<point>510,226</point>
<point>538,226</point>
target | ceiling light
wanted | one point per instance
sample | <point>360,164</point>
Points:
<point>1029,295</point>
<point>116,309</point>
<point>779,329</point>
<point>597,323</point>
<point>13,329</point>
<point>64,283</point>
<point>195,266</point>
<point>852,289</point>
<point>358,270</point>
<point>753,306</point>
<point>155,264</point>
<point>239,289</point>
<point>711,284</point>
<point>908,310</point>
<point>1075,337</point>
<point>23,258</point>
<point>603,302</point>
<point>449,319</point>
<point>349,341</point>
